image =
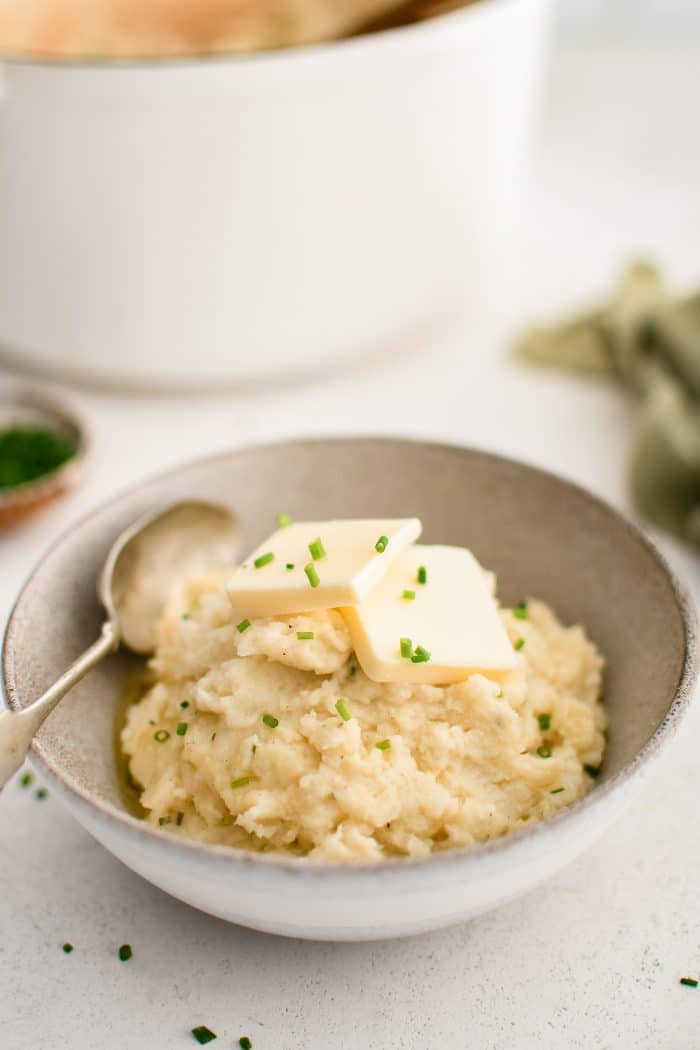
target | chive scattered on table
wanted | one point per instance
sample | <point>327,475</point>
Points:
<point>689,982</point>
<point>305,636</point>
<point>544,752</point>
<point>271,721</point>
<point>406,648</point>
<point>125,952</point>
<point>316,549</point>
<point>545,722</point>
<point>240,783</point>
<point>383,745</point>
<point>422,574</point>
<point>311,574</point>
<point>67,947</point>
<point>343,710</point>
<point>520,611</point>
<point>289,566</point>
<point>263,559</point>
<point>284,521</point>
<point>203,1034</point>
<point>519,644</point>
<point>161,735</point>
<point>41,794</point>
<point>242,626</point>
<point>181,728</point>
<point>381,544</point>
<point>26,779</point>
<point>408,596</point>
<point>420,655</point>
<point>245,1043</point>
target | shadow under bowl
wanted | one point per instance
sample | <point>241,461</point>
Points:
<point>543,536</point>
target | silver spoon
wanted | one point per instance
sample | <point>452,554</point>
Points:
<point>142,569</point>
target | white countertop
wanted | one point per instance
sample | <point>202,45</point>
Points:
<point>591,959</point>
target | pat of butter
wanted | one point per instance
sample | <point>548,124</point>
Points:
<point>344,575</point>
<point>452,616</point>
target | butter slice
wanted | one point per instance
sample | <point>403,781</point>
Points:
<point>453,617</point>
<point>351,568</point>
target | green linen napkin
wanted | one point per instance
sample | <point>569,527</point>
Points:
<point>648,341</point>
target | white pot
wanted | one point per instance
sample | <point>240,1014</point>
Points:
<point>228,220</point>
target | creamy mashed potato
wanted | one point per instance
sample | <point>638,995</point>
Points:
<point>239,741</point>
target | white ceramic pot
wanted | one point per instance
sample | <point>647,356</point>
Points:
<point>227,220</point>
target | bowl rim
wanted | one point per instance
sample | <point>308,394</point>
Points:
<point>472,11</point>
<point>457,858</point>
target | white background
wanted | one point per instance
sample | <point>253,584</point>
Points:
<point>593,958</point>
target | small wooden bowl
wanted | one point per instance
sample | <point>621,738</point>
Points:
<point>25,406</point>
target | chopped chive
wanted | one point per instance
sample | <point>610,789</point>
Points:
<point>289,566</point>
<point>383,745</point>
<point>544,752</point>
<point>67,947</point>
<point>25,780</point>
<point>557,791</point>
<point>179,818</point>
<point>520,611</point>
<point>41,794</point>
<point>352,670</point>
<point>203,1034</point>
<point>422,574</point>
<point>311,574</point>
<point>305,636</point>
<point>240,783</point>
<point>381,544</point>
<point>593,771</point>
<point>420,655</point>
<point>125,952</point>
<point>316,549</point>
<point>519,644</point>
<point>242,626</point>
<point>185,616</point>
<point>245,1043</point>
<point>284,521</point>
<point>343,710</point>
<point>271,721</point>
<point>181,728</point>
<point>689,982</point>
<point>545,722</point>
<point>408,596</point>
<point>184,703</point>
<point>161,736</point>
<point>263,559</point>
<point>406,648</point>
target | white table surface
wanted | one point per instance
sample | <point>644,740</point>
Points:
<point>590,960</point>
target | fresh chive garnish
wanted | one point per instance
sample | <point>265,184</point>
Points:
<point>181,728</point>
<point>352,670</point>
<point>67,947</point>
<point>316,549</point>
<point>519,644</point>
<point>25,780</point>
<point>520,611</point>
<point>203,1034</point>
<point>245,1043</point>
<point>383,745</point>
<point>242,626</point>
<point>544,752</point>
<point>161,736</point>
<point>422,574</point>
<point>689,982</point>
<point>545,722</point>
<point>184,703</point>
<point>289,566</point>
<point>406,648</point>
<point>343,710</point>
<point>125,952</point>
<point>381,544</point>
<point>263,559</point>
<point>271,721</point>
<point>284,521</point>
<point>41,794</point>
<point>409,596</point>
<point>557,791</point>
<point>179,818</point>
<point>305,636</point>
<point>240,783</point>
<point>185,616</point>
<point>311,574</point>
<point>593,771</point>
<point>420,655</point>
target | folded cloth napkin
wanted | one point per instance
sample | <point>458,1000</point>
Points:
<point>648,341</point>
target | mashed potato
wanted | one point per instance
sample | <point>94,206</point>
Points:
<point>239,741</point>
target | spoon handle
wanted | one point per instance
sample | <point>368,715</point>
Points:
<point>18,728</point>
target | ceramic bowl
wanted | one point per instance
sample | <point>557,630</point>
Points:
<point>542,536</point>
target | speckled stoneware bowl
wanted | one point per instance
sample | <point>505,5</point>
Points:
<point>541,535</point>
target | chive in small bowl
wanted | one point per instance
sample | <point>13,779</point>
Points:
<point>42,452</point>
